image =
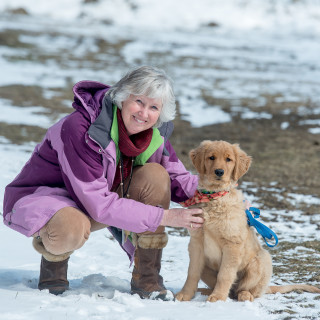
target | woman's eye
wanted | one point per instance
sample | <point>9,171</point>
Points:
<point>154,107</point>
<point>139,101</point>
<point>212,158</point>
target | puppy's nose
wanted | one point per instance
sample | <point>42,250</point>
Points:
<point>219,172</point>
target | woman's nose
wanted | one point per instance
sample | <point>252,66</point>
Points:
<point>143,112</point>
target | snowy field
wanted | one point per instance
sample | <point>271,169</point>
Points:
<point>260,47</point>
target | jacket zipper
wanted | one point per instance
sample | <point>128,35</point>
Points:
<point>101,150</point>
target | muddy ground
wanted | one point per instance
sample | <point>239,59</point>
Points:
<point>288,160</point>
<point>285,161</point>
<point>290,157</point>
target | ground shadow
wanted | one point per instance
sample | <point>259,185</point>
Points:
<point>16,279</point>
<point>22,280</point>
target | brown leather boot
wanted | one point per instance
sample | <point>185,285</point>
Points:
<point>53,269</point>
<point>53,276</point>
<point>146,279</point>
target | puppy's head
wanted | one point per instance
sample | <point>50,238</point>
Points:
<point>219,164</point>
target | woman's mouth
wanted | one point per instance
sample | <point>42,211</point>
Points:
<point>138,120</point>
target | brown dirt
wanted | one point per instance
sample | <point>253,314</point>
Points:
<point>288,160</point>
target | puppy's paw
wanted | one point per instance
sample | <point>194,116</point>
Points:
<point>245,296</point>
<point>184,296</point>
<point>216,297</point>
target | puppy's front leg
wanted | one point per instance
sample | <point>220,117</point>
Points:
<point>227,274</point>
<point>196,255</point>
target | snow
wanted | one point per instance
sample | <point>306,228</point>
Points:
<point>27,115</point>
<point>260,46</point>
<point>244,15</point>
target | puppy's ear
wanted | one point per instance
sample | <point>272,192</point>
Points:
<point>243,162</point>
<point>197,157</point>
<point>193,155</point>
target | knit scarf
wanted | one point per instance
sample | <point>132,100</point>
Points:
<point>129,146</point>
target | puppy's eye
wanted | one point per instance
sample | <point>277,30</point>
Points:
<point>228,160</point>
<point>212,158</point>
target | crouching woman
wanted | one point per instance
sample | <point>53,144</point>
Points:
<point>109,164</point>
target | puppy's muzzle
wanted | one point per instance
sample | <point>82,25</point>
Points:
<point>219,172</point>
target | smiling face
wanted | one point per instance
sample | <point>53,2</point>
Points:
<point>140,113</point>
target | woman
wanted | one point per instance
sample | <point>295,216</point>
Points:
<point>106,165</point>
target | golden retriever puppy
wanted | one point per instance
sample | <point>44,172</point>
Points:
<point>226,253</point>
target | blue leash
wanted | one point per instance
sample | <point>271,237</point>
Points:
<point>260,227</point>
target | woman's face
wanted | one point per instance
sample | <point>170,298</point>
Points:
<point>140,113</point>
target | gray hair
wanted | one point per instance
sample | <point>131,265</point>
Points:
<point>151,82</point>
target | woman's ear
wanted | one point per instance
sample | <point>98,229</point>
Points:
<point>243,162</point>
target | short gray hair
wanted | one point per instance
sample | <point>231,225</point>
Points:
<point>151,82</point>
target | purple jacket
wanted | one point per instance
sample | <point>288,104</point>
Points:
<point>75,165</point>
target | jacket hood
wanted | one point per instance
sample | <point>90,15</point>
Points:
<point>88,96</point>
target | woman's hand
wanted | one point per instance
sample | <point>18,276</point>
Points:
<point>185,218</point>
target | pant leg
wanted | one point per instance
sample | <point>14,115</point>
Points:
<point>70,228</point>
<point>65,232</point>
<point>150,184</point>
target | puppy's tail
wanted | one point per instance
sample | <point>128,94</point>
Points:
<point>292,287</point>
<point>205,291</point>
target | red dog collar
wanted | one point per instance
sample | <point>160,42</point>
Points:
<point>202,197</point>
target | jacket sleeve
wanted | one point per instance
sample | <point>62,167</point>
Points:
<point>85,179</point>
<point>183,183</point>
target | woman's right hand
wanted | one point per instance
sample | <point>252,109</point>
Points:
<point>185,218</point>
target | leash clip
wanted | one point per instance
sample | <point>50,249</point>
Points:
<point>263,230</point>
